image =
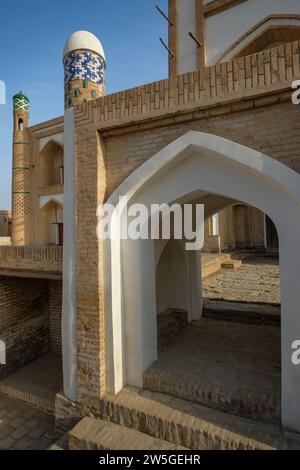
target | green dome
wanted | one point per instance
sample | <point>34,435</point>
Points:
<point>21,102</point>
<point>20,96</point>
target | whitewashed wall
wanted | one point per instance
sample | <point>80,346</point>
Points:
<point>225,28</point>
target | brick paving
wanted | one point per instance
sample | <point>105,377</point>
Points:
<point>232,366</point>
<point>258,280</point>
<point>36,383</point>
<point>23,427</point>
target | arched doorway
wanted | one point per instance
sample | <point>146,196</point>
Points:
<point>200,164</point>
<point>51,223</point>
<point>52,164</point>
<point>172,299</point>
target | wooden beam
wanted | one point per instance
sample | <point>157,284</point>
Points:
<point>164,15</point>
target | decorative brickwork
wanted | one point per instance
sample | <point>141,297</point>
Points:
<point>243,78</point>
<point>39,259</point>
<point>21,171</point>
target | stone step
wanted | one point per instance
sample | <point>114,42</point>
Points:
<point>206,391</point>
<point>232,265</point>
<point>191,425</point>
<point>213,266</point>
<point>95,434</point>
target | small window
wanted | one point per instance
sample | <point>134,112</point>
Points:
<point>62,175</point>
<point>69,86</point>
<point>20,125</point>
<point>94,94</point>
<point>76,92</point>
<point>84,83</point>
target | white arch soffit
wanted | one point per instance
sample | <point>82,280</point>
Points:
<point>259,163</point>
<point>57,199</point>
<point>51,140</point>
<point>256,32</point>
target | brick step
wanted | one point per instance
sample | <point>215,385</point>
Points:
<point>191,425</point>
<point>232,265</point>
<point>34,396</point>
<point>207,392</point>
<point>95,434</point>
<point>242,312</point>
<point>211,267</point>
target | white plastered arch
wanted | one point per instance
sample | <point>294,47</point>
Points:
<point>208,164</point>
<point>57,199</point>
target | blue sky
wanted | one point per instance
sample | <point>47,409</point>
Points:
<point>32,35</point>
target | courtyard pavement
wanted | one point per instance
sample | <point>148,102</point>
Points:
<point>258,280</point>
<point>23,427</point>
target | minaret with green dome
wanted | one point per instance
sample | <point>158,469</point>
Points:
<point>21,171</point>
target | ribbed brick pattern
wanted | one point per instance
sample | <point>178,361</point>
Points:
<point>236,79</point>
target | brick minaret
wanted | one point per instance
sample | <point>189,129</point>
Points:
<point>84,68</point>
<point>20,178</point>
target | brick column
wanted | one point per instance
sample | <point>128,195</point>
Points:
<point>90,192</point>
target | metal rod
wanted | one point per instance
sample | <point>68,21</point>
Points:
<point>164,15</point>
<point>166,47</point>
<point>195,39</point>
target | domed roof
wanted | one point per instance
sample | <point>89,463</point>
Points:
<point>83,40</point>
<point>20,96</point>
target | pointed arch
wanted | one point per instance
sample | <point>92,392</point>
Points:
<point>51,163</point>
<point>200,163</point>
<point>267,33</point>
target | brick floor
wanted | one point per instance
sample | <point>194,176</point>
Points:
<point>23,427</point>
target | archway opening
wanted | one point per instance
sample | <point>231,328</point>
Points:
<point>51,223</point>
<point>171,293</point>
<point>52,165</point>
<point>196,166</point>
<point>228,354</point>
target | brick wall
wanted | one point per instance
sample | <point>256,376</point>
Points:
<point>55,312</point>
<point>24,321</point>
<point>272,129</point>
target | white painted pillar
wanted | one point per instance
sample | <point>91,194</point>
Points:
<point>140,339</point>
<point>290,321</point>
<point>69,327</point>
